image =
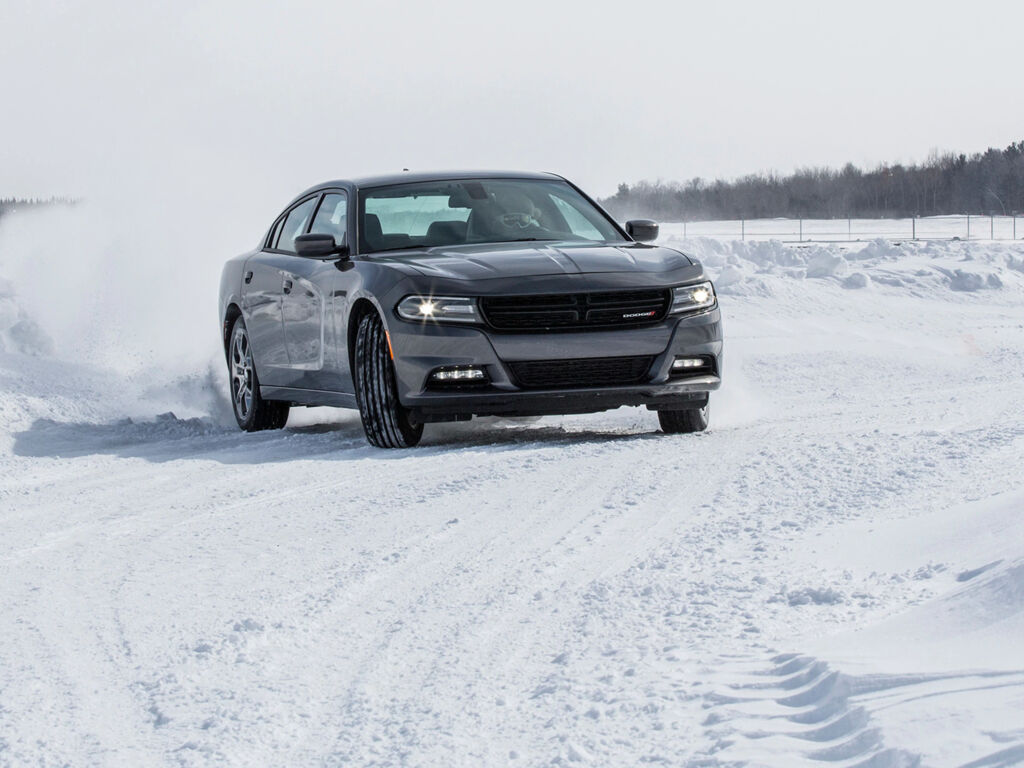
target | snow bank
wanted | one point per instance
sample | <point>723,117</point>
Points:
<point>748,268</point>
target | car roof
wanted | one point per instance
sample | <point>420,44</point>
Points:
<point>405,177</point>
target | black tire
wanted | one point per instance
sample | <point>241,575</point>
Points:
<point>690,420</point>
<point>385,422</point>
<point>252,412</point>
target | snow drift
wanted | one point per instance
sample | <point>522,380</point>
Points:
<point>747,268</point>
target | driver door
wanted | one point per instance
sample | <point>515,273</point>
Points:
<point>263,296</point>
<point>307,301</point>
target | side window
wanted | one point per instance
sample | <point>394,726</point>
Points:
<point>330,217</point>
<point>295,224</point>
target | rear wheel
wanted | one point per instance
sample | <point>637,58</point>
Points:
<point>690,420</point>
<point>386,423</point>
<point>252,412</point>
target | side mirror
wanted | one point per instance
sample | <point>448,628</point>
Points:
<point>319,246</point>
<point>642,230</point>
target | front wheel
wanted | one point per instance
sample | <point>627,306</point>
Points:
<point>386,423</point>
<point>690,420</point>
<point>252,412</point>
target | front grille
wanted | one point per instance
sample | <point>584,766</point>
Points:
<point>570,311</point>
<point>584,372</point>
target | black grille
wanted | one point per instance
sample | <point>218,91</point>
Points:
<point>567,311</point>
<point>584,372</point>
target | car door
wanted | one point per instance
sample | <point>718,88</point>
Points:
<point>309,300</point>
<point>263,293</point>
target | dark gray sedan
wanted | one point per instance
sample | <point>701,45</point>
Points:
<point>421,298</point>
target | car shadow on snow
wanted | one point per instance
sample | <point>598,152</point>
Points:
<point>499,435</point>
<point>168,438</point>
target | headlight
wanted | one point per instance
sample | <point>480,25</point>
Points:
<point>689,298</point>
<point>446,309</point>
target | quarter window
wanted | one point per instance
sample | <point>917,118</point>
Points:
<point>272,237</point>
<point>330,217</point>
<point>295,224</point>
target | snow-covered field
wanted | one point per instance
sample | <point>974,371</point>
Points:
<point>838,230</point>
<point>833,574</point>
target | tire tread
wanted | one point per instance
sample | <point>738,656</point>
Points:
<point>684,422</point>
<point>385,422</point>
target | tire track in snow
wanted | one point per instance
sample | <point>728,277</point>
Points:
<point>795,710</point>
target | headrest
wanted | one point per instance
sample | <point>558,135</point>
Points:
<point>448,229</point>
<point>469,195</point>
<point>371,227</point>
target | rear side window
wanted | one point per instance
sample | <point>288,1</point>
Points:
<point>295,224</point>
<point>330,217</point>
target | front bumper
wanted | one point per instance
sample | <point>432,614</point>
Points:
<point>420,348</point>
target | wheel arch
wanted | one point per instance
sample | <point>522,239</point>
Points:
<point>232,313</point>
<point>360,309</point>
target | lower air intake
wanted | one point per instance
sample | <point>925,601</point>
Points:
<point>584,372</point>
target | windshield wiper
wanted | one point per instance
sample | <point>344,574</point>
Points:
<point>453,245</point>
<point>401,248</point>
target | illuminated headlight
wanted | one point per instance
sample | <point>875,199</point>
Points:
<point>689,298</point>
<point>449,309</point>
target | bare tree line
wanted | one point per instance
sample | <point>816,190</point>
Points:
<point>9,204</point>
<point>990,182</point>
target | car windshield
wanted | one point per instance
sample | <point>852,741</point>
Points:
<point>460,212</point>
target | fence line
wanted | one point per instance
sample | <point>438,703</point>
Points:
<point>965,227</point>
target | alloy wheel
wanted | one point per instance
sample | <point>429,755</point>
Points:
<point>241,373</point>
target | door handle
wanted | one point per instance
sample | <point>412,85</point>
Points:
<point>248,277</point>
<point>287,286</point>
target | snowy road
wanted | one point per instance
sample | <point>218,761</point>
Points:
<point>834,574</point>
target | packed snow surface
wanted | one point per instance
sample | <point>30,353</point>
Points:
<point>833,574</point>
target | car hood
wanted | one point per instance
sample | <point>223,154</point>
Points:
<point>502,260</point>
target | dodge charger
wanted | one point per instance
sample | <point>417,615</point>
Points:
<point>422,298</point>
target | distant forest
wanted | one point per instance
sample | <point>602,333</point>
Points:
<point>8,204</point>
<point>990,183</point>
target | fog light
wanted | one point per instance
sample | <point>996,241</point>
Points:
<point>459,374</point>
<point>681,363</point>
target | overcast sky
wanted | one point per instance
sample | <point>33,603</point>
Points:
<point>101,94</point>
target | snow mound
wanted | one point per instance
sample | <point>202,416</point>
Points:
<point>753,268</point>
<point>812,596</point>
<point>857,280</point>
<point>827,265</point>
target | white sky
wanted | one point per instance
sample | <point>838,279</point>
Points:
<point>195,95</point>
